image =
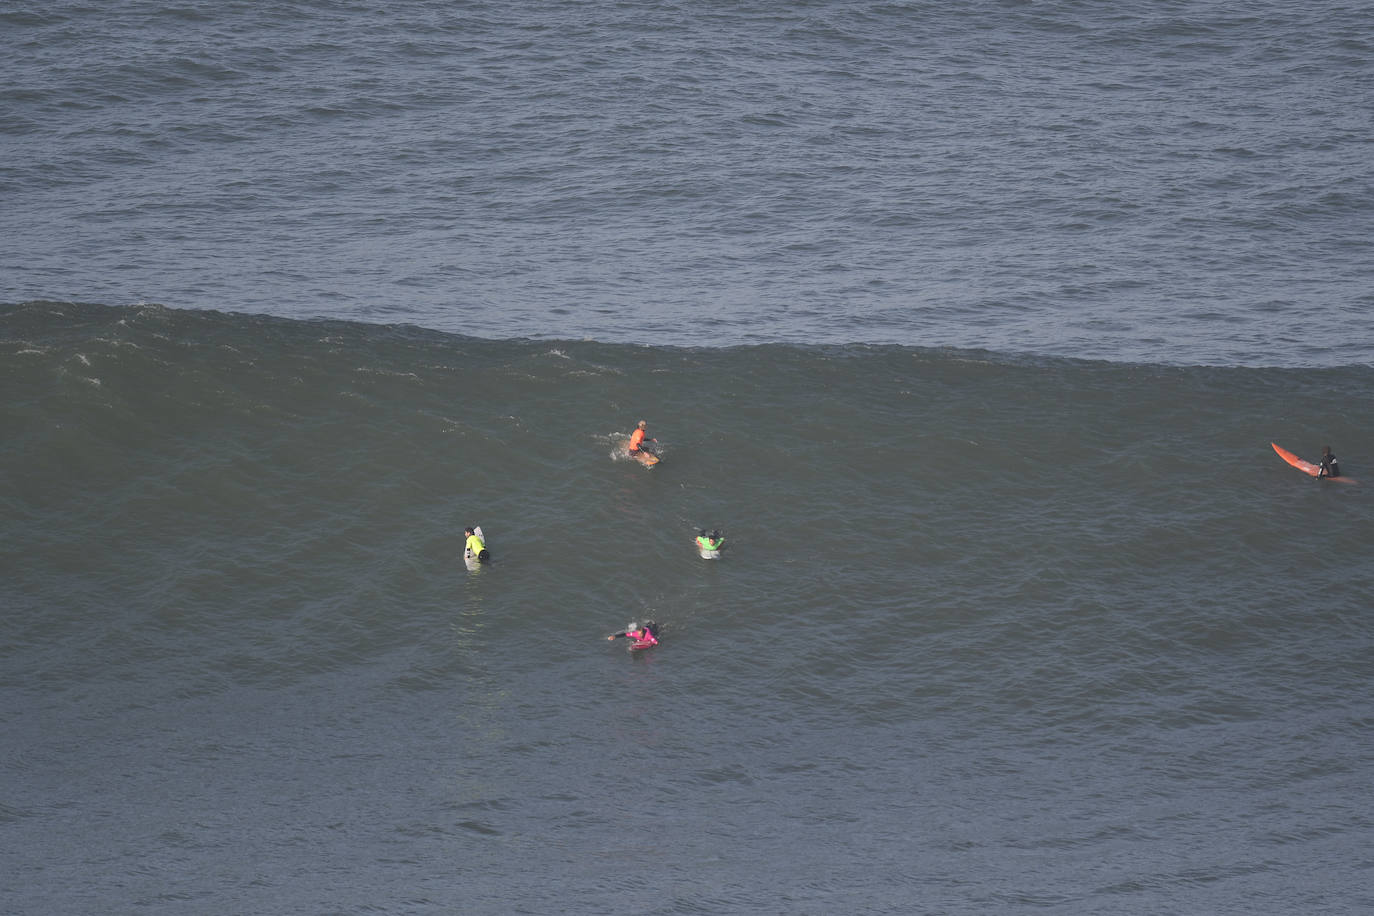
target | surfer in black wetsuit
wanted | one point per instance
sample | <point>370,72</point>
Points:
<point>1329,466</point>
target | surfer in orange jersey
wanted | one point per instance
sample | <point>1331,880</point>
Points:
<point>1329,466</point>
<point>637,439</point>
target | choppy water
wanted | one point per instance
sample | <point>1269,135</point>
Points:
<point>969,325</point>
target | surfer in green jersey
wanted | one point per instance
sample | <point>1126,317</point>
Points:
<point>712,541</point>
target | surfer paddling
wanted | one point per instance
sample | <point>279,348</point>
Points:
<point>710,544</point>
<point>1329,466</point>
<point>644,635</point>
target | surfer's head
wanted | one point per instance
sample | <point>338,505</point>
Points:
<point>643,423</point>
<point>467,531</point>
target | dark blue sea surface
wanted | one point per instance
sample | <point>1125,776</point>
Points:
<point>971,326</point>
<point>1173,183</point>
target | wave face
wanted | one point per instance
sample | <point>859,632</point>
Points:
<point>973,613</point>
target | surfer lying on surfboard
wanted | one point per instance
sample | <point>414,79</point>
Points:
<point>644,635</point>
<point>709,544</point>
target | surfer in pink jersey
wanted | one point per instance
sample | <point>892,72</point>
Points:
<point>644,635</point>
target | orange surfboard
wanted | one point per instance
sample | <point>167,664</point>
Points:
<point>1306,467</point>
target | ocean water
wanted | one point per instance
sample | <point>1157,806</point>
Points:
<point>988,634</point>
<point>1176,183</point>
<point>970,327</point>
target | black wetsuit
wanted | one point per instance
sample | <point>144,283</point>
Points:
<point>1329,466</point>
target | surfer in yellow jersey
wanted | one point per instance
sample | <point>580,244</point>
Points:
<point>475,547</point>
<point>1329,466</point>
<point>637,440</point>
